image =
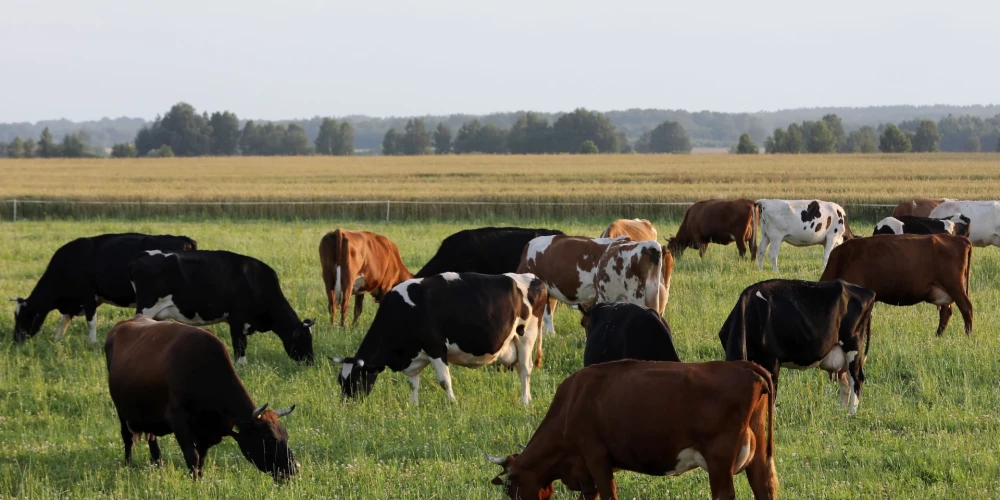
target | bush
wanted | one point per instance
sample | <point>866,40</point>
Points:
<point>589,148</point>
<point>746,146</point>
<point>126,150</point>
<point>163,151</point>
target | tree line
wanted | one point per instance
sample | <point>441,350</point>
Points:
<point>74,145</point>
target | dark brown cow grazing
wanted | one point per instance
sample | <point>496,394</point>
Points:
<point>920,207</point>
<point>167,377</point>
<point>717,221</point>
<point>356,263</point>
<point>907,269</point>
<point>657,418</point>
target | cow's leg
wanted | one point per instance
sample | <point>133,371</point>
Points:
<point>831,242</point>
<point>720,479</point>
<point>702,248</point>
<point>443,376</point>
<point>202,454</point>
<point>90,311</point>
<point>524,366</point>
<point>761,250</point>
<point>775,247</point>
<point>154,450</point>
<point>127,438</point>
<point>741,246</point>
<point>237,331</point>
<point>604,477</point>
<point>550,311</point>
<point>332,305</point>
<point>965,307</point>
<point>944,316</point>
<point>358,306</point>
<point>63,325</point>
<point>661,304</point>
<point>412,373</point>
<point>185,438</point>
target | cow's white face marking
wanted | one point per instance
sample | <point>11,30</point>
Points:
<point>401,290</point>
<point>450,276</point>
<point>688,459</point>
<point>157,252</point>
<point>761,296</point>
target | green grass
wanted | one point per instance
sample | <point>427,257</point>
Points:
<point>927,426</point>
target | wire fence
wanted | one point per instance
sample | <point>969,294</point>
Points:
<point>368,210</point>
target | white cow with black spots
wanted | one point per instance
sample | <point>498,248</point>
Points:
<point>800,223</point>
<point>984,219</point>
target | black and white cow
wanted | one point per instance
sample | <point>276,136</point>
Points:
<point>467,319</point>
<point>84,274</point>
<point>800,223</point>
<point>620,330</point>
<point>804,324</point>
<point>207,287</point>
<point>957,225</point>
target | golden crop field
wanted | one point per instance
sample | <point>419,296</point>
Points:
<point>593,179</point>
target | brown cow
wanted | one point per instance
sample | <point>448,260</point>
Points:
<point>356,263</point>
<point>651,417</point>
<point>920,207</point>
<point>643,230</point>
<point>906,269</point>
<point>167,377</point>
<point>717,221</point>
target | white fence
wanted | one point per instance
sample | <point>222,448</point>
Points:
<point>388,204</point>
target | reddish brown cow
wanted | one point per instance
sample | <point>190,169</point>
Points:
<point>643,230</point>
<point>356,263</point>
<point>920,207</point>
<point>651,417</point>
<point>907,269</point>
<point>717,221</point>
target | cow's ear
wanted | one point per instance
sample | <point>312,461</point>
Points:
<point>19,300</point>
<point>359,363</point>
<point>309,323</point>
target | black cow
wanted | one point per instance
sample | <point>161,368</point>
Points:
<point>206,287</point>
<point>486,250</point>
<point>84,274</point>
<point>619,330</point>
<point>957,225</point>
<point>804,324</point>
<point>468,319</point>
<point>168,378</point>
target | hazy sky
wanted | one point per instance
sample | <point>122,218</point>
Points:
<point>94,58</point>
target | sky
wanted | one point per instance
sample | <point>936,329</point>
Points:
<point>298,59</point>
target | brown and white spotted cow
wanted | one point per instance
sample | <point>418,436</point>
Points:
<point>643,230</point>
<point>356,263</point>
<point>630,271</point>
<point>920,207</point>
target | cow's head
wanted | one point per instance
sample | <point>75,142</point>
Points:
<point>356,379</point>
<point>299,345</point>
<point>963,225</point>
<point>264,442</point>
<point>519,485</point>
<point>677,247</point>
<point>27,320</point>
<point>188,244</point>
<point>585,319</point>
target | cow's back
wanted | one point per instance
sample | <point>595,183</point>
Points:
<point>919,207</point>
<point>486,250</point>
<point>634,229</point>
<point>621,330</point>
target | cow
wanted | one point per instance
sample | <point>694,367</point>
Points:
<point>169,378</point>
<point>643,230</point>
<point>984,217</point>
<point>655,418</point>
<point>957,225</point>
<point>631,271</point>
<point>358,263</point>
<point>467,319</point>
<point>206,287</point>
<point>920,207</point>
<point>84,274</point>
<point>717,221</point>
<point>485,250</point>
<point>908,269</point>
<point>800,223</point>
<point>620,330</point>
<point>804,324</point>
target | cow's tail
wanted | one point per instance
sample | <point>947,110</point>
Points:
<point>848,234</point>
<point>344,281</point>
<point>754,218</point>
<point>968,267</point>
<point>769,386</point>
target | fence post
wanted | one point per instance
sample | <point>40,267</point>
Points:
<point>15,210</point>
<point>388,203</point>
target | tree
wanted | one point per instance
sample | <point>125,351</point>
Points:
<point>247,144</point>
<point>836,126</point>
<point>775,143</point>
<point>163,151</point>
<point>894,140</point>
<point>328,139</point>
<point>345,144</point>
<point>30,148</point>
<point>185,131</point>
<point>863,140</point>
<point>794,142</point>
<point>416,140</point>
<point>623,145</point>
<point>530,134</point>
<point>492,140</point>
<point>47,147</point>
<point>669,137</point>
<point>998,144</point>
<point>73,146</point>
<point>468,134</point>
<point>972,145</point>
<point>589,148</point>
<point>926,139</point>
<point>225,133</point>
<point>746,145</point>
<point>123,150</point>
<point>442,139</point>
<point>642,143</point>
<point>295,141</point>
<point>16,148</point>
<point>818,137</point>
<point>392,143</point>
<point>571,129</point>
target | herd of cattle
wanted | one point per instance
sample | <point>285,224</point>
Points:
<point>487,297</point>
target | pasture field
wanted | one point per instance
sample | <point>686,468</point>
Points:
<point>927,426</point>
